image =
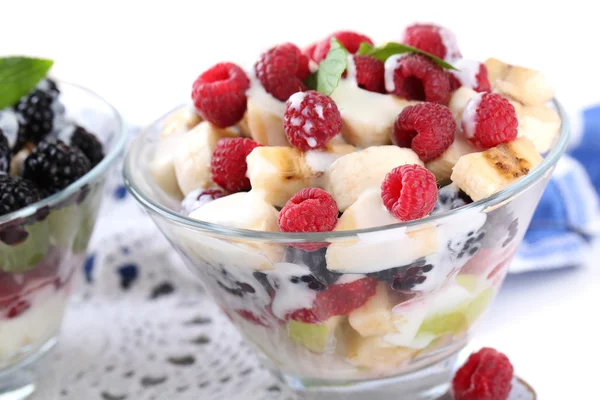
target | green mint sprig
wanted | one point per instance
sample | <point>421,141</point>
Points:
<point>330,71</point>
<point>389,49</point>
<point>18,77</point>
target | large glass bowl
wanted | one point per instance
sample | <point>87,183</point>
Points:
<point>404,340</point>
<point>43,245</point>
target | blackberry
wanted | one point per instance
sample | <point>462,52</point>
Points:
<point>16,193</point>
<point>406,277</point>
<point>468,247</point>
<point>316,263</point>
<point>88,144</point>
<point>36,115</point>
<point>450,197</point>
<point>235,288</point>
<point>310,281</point>
<point>53,166</point>
<point>49,86</point>
<point>5,154</point>
<point>501,226</point>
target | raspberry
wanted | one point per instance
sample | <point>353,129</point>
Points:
<point>309,210</point>
<point>486,375</point>
<point>350,40</point>
<point>370,73</point>
<point>5,154</point>
<point>310,50</point>
<point>228,164</point>
<point>311,119</point>
<point>219,94</point>
<point>432,39</point>
<point>16,193</point>
<point>471,74</point>
<point>282,70</point>
<point>339,299</point>
<point>53,166</point>
<point>427,128</point>
<point>416,77</point>
<point>17,309</point>
<point>409,192</point>
<point>489,120</point>
<point>88,144</point>
<point>251,317</point>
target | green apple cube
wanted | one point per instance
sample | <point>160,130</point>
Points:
<point>312,336</point>
<point>26,255</point>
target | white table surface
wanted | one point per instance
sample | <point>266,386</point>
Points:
<point>143,57</point>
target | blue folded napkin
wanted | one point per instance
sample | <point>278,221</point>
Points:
<point>568,215</point>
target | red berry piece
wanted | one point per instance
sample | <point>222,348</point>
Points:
<point>219,94</point>
<point>489,120</point>
<point>250,317</point>
<point>18,308</point>
<point>311,119</point>
<point>282,69</point>
<point>228,164</point>
<point>350,40</point>
<point>471,74</point>
<point>417,77</point>
<point>409,192</point>
<point>370,73</point>
<point>432,39</point>
<point>486,375</point>
<point>310,50</point>
<point>309,210</point>
<point>339,299</point>
<point>427,128</point>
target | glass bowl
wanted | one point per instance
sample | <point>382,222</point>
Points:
<point>43,245</point>
<point>428,282</point>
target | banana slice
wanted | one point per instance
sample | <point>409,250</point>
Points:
<point>180,121</point>
<point>526,85</point>
<point>375,316</point>
<point>442,166</point>
<point>482,174</point>
<point>192,158</point>
<point>265,115</point>
<point>377,251</point>
<point>459,100</point>
<point>540,124</point>
<point>162,168</point>
<point>353,173</point>
<point>278,172</point>
<point>319,161</point>
<point>368,117</point>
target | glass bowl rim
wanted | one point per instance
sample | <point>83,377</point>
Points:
<point>550,160</point>
<point>116,149</point>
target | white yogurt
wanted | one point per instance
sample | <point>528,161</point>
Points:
<point>390,66</point>
<point>290,296</point>
<point>320,161</point>
<point>35,326</point>
<point>296,99</point>
<point>258,94</point>
<point>351,70</point>
<point>467,72</point>
<point>450,43</point>
<point>469,116</point>
<point>9,125</point>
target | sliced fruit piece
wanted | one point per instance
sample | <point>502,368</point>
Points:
<point>192,158</point>
<point>526,85</point>
<point>540,124</point>
<point>442,166</point>
<point>479,304</point>
<point>349,176</point>
<point>469,282</point>
<point>459,100</point>
<point>63,225</point>
<point>265,116</point>
<point>314,337</point>
<point>482,174</point>
<point>375,353</point>
<point>180,121</point>
<point>319,161</point>
<point>446,311</point>
<point>27,254</point>
<point>162,168</point>
<point>375,316</point>
<point>368,117</point>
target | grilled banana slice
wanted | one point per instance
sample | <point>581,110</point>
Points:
<point>482,174</point>
<point>368,117</point>
<point>192,158</point>
<point>526,85</point>
<point>442,166</point>
<point>352,174</point>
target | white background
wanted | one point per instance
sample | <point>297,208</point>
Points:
<point>143,56</point>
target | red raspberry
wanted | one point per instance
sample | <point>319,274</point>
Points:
<point>471,74</point>
<point>486,375</point>
<point>350,40</point>
<point>310,50</point>
<point>219,94</point>
<point>427,128</point>
<point>18,308</point>
<point>250,317</point>
<point>416,77</point>
<point>337,300</point>
<point>311,119</point>
<point>228,164</point>
<point>432,39</point>
<point>370,73</point>
<point>309,210</point>
<point>409,192</point>
<point>488,120</point>
<point>282,69</point>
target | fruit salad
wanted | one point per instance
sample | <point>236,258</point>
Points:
<point>349,135</point>
<point>42,152</point>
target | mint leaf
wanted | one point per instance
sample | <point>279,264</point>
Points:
<point>18,77</point>
<point>391,48</point>
<point>330,71</point>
